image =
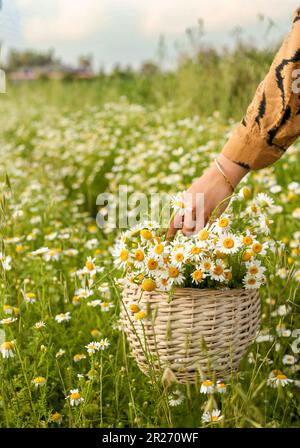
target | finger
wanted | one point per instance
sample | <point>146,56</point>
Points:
<point>189,222</point>
<point>171,231</point>
<point>175,225</point>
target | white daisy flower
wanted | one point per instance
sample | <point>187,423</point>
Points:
<point>7,349</point>
<point>289,360</point>
<point>251,282</point>
<point>212,417</point>
<point>207,387</point>
<point>277,378</point>
<point>228,243</point>
<point>175,398</point>
<point>104,344</point>
<point>75,397</point>
<point>255,268</point>
<point>63,317</point>
<point>218,272</point>
<point>179,205</point>
<point>93,347</point>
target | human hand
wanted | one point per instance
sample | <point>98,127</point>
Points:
<point>214,189</point>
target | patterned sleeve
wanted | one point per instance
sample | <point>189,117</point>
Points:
<point>272,121</point>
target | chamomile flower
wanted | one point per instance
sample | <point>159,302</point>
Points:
<point>56,417</point>
<point>218,272</point>
<point>289,360</point>
<point>138,257</point>
<point>39,325</point>
<point>106,306</point>
<point>277,378</point>
<point>176,398</point>
<point>180,205</point>
<point>104,344</point>
<point>7,349</point>
<point>228,243</point>
<point>221,387</point>
<point>8,321</point>
<point>214,416</point>
<point>252,282</point>
<point>30,297</point>
<point>63,317</point>
<point>178,256</point>
<point>264,201</point>
<point>121,255</point>
<point>207,387</point>
<point>255,268</point>
<point>174,275</point>
<point>197,276</point>
<point>39,381</point>
<point>75,397</point>
<point>222,224</point>
<point>159,250</point>
<point>93,347</point>
<point>207,265</point>
<point>152,265</point>
<point>79,357</point>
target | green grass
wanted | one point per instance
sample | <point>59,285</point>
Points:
<point>62,145</point>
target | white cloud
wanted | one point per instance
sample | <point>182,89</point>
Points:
<point>174,16</point>
<point>70,20</point>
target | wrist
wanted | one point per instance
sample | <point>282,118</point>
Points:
<point>233,171</point>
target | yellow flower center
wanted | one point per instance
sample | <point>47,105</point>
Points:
<point>251,281</point>
<point>145,233</point>
<point>196,250</point>
<point>124,255</point>
<point>223,222</point>
<point>246,256</point>
<point>257,247</point>
<point>75,396</point>
<point>247,240</point>
<point>218,270</point>
<point>197,275</point>
<point>89,265</point>
<point>159,249</point>
<point>31,295</point>
<point>152,264</point>
<point>179,257</point>
<point>207,265</point>
<point>180,204</point>
<point>148,285</point>
<point>173,272</point>
<point>280,376</point>
<point>228,243</point>
<point>139,255</point>
<point>203,235</point>
<point>253,270</point>
<point>207,383</point>
<point>214,418</point>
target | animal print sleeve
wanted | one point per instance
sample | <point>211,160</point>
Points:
<point>272,121</point>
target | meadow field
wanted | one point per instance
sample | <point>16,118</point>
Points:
<point>60,147</point>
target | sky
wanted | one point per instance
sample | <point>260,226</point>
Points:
<point>128,31</point>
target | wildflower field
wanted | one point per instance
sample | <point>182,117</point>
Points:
<point>64,359</point>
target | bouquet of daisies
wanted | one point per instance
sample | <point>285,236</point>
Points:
<point>230,251</point>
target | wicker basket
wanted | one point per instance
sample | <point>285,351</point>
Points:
<point>197,333</point>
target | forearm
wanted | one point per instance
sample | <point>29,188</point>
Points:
<point>272,121</point>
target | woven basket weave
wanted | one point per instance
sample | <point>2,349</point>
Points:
<point>197,333</point>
